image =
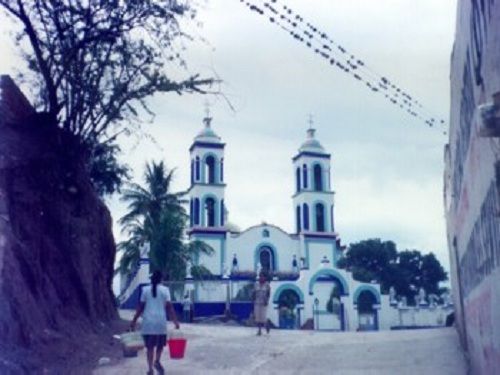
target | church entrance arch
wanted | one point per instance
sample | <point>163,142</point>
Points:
<point>287,307</point>
<point>327,288</point>
<point>289,300</point>
<point>367,302</point>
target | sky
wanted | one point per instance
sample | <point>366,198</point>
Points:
<point>387,167</point>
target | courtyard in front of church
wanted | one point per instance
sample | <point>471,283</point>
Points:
<point>213,349</point>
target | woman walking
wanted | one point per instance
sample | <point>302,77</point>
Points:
<point>155,303</point>
<point>261,294</point>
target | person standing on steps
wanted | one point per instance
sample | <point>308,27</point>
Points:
<point>261,294</point>
<point>154,305</point>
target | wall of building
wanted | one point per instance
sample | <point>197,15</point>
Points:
<point>472,191</point>
<point>213,262</point>
<point>246,244</point>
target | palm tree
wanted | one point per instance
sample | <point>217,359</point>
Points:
<point>156,216</point>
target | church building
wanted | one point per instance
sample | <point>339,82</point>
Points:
<point>302,264</point>
<point>308,290</point>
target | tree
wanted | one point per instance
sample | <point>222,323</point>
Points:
<point>371,260</point>
<point>333,303</point>
<point>408,270</point>
<point>92,64</point>
<point>156,216</point>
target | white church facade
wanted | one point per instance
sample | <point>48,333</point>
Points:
<point>308,290</point>
<point>302,263</point>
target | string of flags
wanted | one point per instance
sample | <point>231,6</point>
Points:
<point>339,57</point>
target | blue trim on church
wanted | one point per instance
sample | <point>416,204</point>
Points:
<point>312,154</point>
<point>207,145</point>
<point>207,231</point>
<point>320,235</point>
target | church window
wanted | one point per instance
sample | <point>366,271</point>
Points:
<point>222,212</point>
<point>331,216</point>
<point>265,233</point>
<point>304,175</point>
<point>221,169</point>
<point>298,219</point>
<point>191,217</point>
<point>192,172</point>
<point>318,178</point>
<point>197,168</point>
<point>266,258</point>
<point>297,178</point>
<point>210,169</point>
<point>320,217</point>
<point>305,209</point>
<point>210,212</point>
<point>196,208</point>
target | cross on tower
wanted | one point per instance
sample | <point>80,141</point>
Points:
<point>310,121</point>
<point>207,119</point>
<point>311,130</point>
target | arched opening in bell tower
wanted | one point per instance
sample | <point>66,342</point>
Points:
<point>318,178</point>
<point>297,179</point>
<point>210,169</point>
<point>305,213</point>
<point>320,217</point>
<point>210,212</point>
<point>196,209</point>
<point>298,219</point>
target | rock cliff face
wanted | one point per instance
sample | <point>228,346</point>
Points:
<point>56,244</point>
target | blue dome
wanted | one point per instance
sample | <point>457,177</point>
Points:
<point>311,144</point>
<point>207,134</point>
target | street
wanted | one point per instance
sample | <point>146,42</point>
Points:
<point>213,349</point>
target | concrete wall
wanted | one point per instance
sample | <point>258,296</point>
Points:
<point>472,191</point>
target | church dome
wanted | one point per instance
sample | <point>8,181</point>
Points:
<point>311,144</point>
<point>232,227</point>
<point>207,134</point>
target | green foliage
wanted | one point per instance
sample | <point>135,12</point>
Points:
<point>371,260</point>
<point>200,272</point>
<point>106,172</point>
<point>333,303</point>
<point>92,65</point>
<point>366,300</point>
<point>408,270</point>
<point>245,293</point>
<point>156,216</point>
<point>289,299</point>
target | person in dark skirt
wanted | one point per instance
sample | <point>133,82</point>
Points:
<point>155,303</point>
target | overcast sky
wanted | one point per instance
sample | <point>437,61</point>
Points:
<point>386,166</point>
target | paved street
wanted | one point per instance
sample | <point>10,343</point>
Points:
<point>237,350</point>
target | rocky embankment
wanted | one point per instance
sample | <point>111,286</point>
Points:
<point>56,244</point>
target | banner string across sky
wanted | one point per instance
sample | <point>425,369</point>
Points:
<point>338,56</point>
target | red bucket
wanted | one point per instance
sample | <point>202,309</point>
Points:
<point>177,348</point>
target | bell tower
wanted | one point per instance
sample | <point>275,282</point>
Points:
<point>313,198</point>
<point>207,179</point>
<point>206,195</point>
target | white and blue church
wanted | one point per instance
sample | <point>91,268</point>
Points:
<point>308,290</point>
<point>302,264</point>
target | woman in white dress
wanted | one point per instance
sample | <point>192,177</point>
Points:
<point>154,305</point>
<point>261,293</point>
